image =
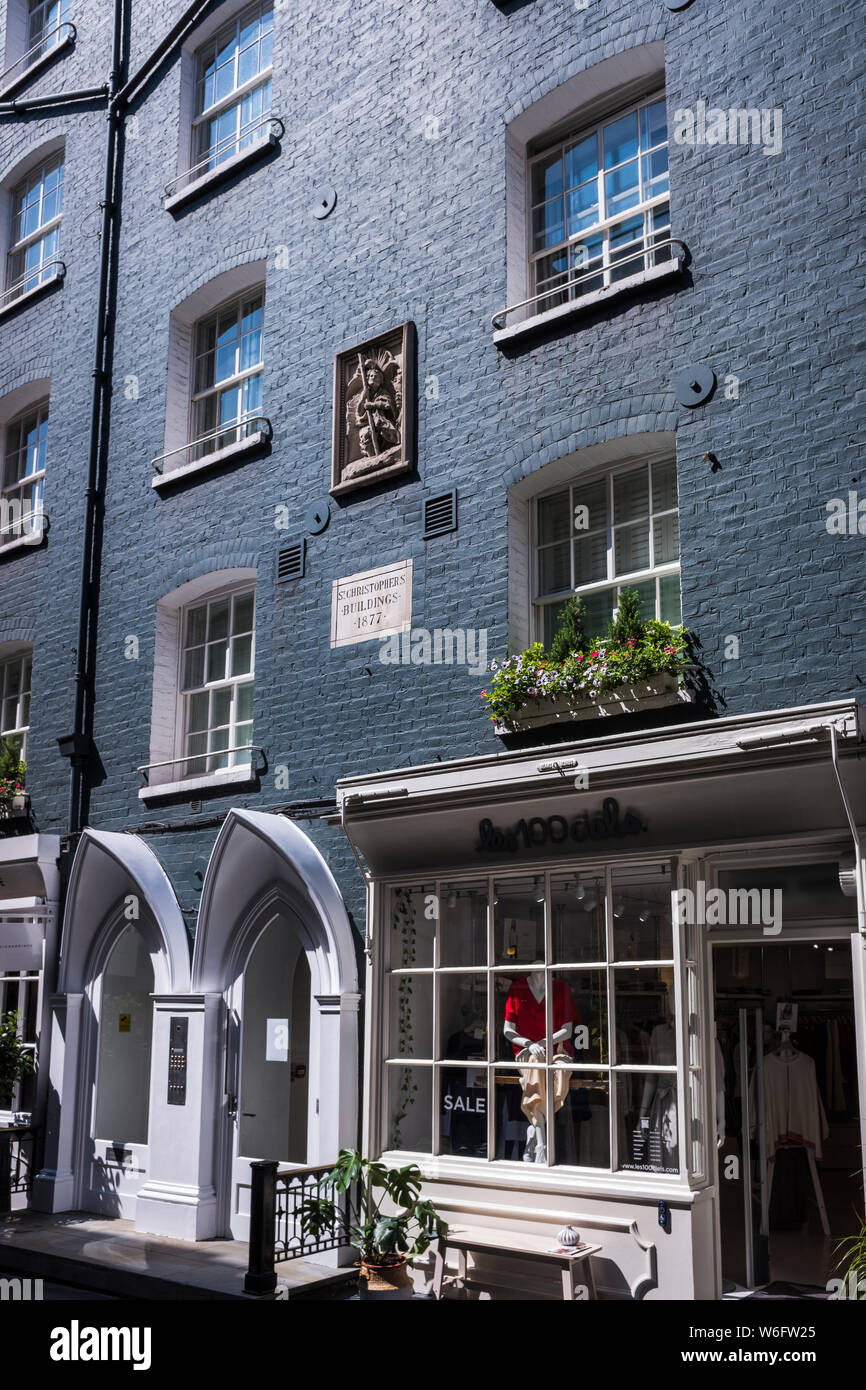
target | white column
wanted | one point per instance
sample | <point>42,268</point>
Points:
<point>54,1185</point>
<point>333,1117</point>
<point>179,1198</point>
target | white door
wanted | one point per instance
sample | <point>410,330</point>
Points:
<point>116,1150</point>
<point>269,1041</point>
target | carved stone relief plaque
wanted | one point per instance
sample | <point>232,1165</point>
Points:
<point>374,410</point>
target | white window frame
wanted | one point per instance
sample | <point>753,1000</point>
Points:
<point>204,158</point>
<point>29,521</point>
<point>509,1171</point>
<point>18,284</point>
<point>204,442</point>
<point>539,601</point>
<point>602,276</point>
<point>20,727</point>
<point>237,760</point>
<point>38,40</point>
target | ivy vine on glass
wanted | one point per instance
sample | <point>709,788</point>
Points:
<point>403,921</point>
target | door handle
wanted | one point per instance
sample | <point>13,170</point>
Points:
<point>248,1114</point>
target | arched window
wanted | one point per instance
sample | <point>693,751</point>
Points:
<point>34,199</point>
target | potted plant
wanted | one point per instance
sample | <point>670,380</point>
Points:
<point>13,797</point>
<point>385,1243</point>
<point>637,665</point>
<point>16,1060</point>
<point>854,1275</point>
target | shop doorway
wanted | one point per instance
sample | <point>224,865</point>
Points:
<point>270,1118</point>
<point>116,1156</point>
<point>790,1165</point>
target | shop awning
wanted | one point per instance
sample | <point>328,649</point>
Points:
<point>29,888</point>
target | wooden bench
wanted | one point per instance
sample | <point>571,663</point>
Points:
<point>467,1240</point>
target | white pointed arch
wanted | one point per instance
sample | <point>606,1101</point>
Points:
<point>260,860</point>
<point>109,868</point>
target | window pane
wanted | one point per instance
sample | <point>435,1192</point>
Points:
<point>193,670</point>
<point>463,1012</point>
<point>664,476</point>
<point>548,225</point>
<point>553,518</point>
<point>577,903</point>
<point>242,656</point>
<point>644,1002</point>
<point>216,661</point>
<point>411,1016</point>
<point>519,920</point>
<point>243,613</point>
<point>647,1114</point>
<point>631,548</point>
<point>547,178</point>
<point>670,610</point>
<point>243,739</point>
<point>620,140</point>
<point>589,1037</point>
<point>626,242</point>
<point>412,925</point>
<point>463,1111</point>
<point>630,495</point>
<point>666,538</point>
<point>197,717</point>
<point>515,1135</point>
<point>554,569</point>
<point>582,208</point>
<point>218,615</point>
<point>642,925</point>
<point>244,706</point>
<point>410,1109</point>
<point>653,124</point>
<point>621,189</point>
<point>581,162</point>
<point>586,256</point>
<point>655,173</point>
<point>463,924</point>
<point>551,617</point>
<point>582,1123</point>
<point>590,559</point>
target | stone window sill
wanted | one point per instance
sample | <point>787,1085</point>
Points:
<point>36,66</point>
<point>211,781</point>
<point>222,172</point>
<point>25,298</point>
<point>239,449</point>
<point>502,337</point>
<point>24,542</point>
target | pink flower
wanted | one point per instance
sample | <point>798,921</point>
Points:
<point>483,693</point>
<point>670,651</point>
<point>631,641</point>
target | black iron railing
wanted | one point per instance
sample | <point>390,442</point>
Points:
<point>16,1162</point>
<point>275,1225</point>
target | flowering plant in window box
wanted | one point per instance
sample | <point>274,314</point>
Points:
<point>13,797</point>
<point>638,665</point>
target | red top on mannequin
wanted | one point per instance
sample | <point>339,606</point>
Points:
<point>528,1013</point>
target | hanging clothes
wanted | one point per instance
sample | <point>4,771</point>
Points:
<point>793,1112</point>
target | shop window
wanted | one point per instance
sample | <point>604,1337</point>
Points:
<point>15,671</point>
<point>19,992</point>
<point>615,530</point>
<point>533,1018</point>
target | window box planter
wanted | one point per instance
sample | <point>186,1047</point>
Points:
<point>653,693</point>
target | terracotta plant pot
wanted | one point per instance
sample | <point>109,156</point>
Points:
<point>385,1281</point>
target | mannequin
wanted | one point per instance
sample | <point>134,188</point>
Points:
<point>658,1108</point>
<point>525,1028</point>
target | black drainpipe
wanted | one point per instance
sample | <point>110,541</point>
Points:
<point>79,746</point>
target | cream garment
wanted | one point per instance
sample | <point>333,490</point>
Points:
<point>793,1113</point>
<point>534,1102</point>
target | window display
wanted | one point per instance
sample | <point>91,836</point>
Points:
<point>532,1007</point>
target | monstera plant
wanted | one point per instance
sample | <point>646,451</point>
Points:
<point>385,1241</point>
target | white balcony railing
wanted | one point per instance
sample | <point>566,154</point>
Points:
<point>249,137</point>
<point>214,441</point>
<point>63,33</point>
<point>31,280</point>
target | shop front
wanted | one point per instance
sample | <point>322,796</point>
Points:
<point>574,955</point>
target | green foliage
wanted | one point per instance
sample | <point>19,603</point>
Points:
<point>570,634</point>
<point>854,1248</point>
<point>12,771</point>
<point>15,1060</point>
<point>628,623</point>
<point>588,675</point>
<point>381,1238</point>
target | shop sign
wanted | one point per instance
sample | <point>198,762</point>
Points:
<point>537,831</point>
<point>20,944</point>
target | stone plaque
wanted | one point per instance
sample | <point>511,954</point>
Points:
<point>375,604</point>
<point>374,410</point>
